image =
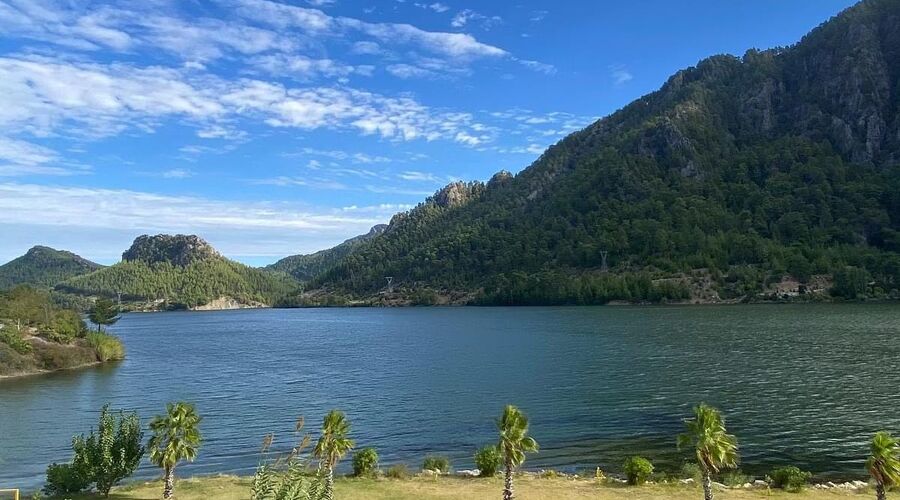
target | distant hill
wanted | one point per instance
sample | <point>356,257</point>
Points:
<point>305,267</point>
<point>737,172</point>
<point>165,271</point>
<point>44,267</point>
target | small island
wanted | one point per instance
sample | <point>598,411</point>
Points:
<point>39,335</point>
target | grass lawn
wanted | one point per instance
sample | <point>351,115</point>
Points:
<point>526,488</point>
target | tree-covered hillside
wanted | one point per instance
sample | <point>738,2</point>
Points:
<point>306,267</point>
<point>43,267</point>
<point>180,271</point>
<point>781,162</point>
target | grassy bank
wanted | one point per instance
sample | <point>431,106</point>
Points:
<point>446,488</point>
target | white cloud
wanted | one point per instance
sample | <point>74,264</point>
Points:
<point>468,16</point>
<point>620,74</point>
<point>177,173</point>
<point>19,158</point>
<point>547,69</point>
<point>116,216</point>
<point>408,71</point>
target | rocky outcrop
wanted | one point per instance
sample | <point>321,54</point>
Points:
<point>457,193</point>
<point>226,303</point>
<point>179,250</point>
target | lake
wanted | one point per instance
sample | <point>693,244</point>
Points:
<point>798,384</point>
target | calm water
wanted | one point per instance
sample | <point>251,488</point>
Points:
<point>805,385</point>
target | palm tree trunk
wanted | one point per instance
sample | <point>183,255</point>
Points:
<point>879,492</point>
<point>507,482</point>
<point>169,490</point>
<point>329,483</point>
<point>707,485</point>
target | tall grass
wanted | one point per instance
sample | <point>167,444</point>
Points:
<point>108,347</point>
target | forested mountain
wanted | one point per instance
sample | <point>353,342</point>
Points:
<point>43,267</point>
<point>305,267</point>
<point>180,271</point>
<point>740,170</point>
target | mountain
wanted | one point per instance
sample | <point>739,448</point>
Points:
<point>737,173</point>
<point>44,267</point>
<point>305,267</point>
<point>181,271</point>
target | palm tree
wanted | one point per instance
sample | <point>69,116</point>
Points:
<point>715,448</point>
<point>514,443</point>
<point>176,437</point>
<point>884,464</point>
<point>332,446</point>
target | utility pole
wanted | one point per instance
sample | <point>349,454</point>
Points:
<point>390,284</point>
<point>604,267</point>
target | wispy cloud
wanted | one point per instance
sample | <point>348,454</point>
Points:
<point>620,74</point>
<point>235,227</point>
<point>469,16</point>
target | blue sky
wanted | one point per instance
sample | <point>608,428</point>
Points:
<point>279,127</point>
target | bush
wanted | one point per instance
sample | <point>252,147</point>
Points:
<point>365,462</point>
<point>66,326</point>
<point>112,453</point>
<point>690,470</point>
<point>488,460</point>
<point>735,478</point>
<point>440,464</point>
<point>108,347</point>
<point>789,478</point>
<point>14,340</point>
<point>63,479</point>
<point>399,471</point>
<point>637,470</point>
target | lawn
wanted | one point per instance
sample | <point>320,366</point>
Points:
<point>526,488</point>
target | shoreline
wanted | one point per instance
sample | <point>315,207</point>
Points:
<point>49,372</point>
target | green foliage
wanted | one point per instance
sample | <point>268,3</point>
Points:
<point>176,435</point>
<point>43,267</point>
<point>884,462</point>
<point>12,338</point>
<point>333,442</point>
<point>104,313</point>
<point>789,478</point>
<point>436,463</point>
<point>365,462</point>
<point>288,477</point>
<point>306,267</point>
<point>706,434</point>
<point>194,284</point>
<point>108,347</point>
<point>514,439</point>
<point>397,471</point>
<point>112,452</point>
<point>637,470</point>
<point>735,478</point>
<point>851,283</point>
<point>63,479</point>
<point>488,460</point>
<point>27,306</point>
<point>66,326</point>
<point>690,470</point>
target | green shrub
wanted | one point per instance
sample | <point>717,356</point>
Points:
<point>365,462</point>
<point>690,470</point>
<point>488,460</point>
<point>637,470</point>
<point>735,478</point>
<point>63,479</point>
<point>14,340</point>
<point>112,452</point>
<point>66,326</point>
<point>549,474</point>
<point>789,478</point>
<point>398,471</point>
<point>108,347</point>
<point>440,464</point>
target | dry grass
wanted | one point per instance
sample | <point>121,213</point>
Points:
<point>446,488</point>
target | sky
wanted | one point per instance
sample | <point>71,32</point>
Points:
<point>277,127</point>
